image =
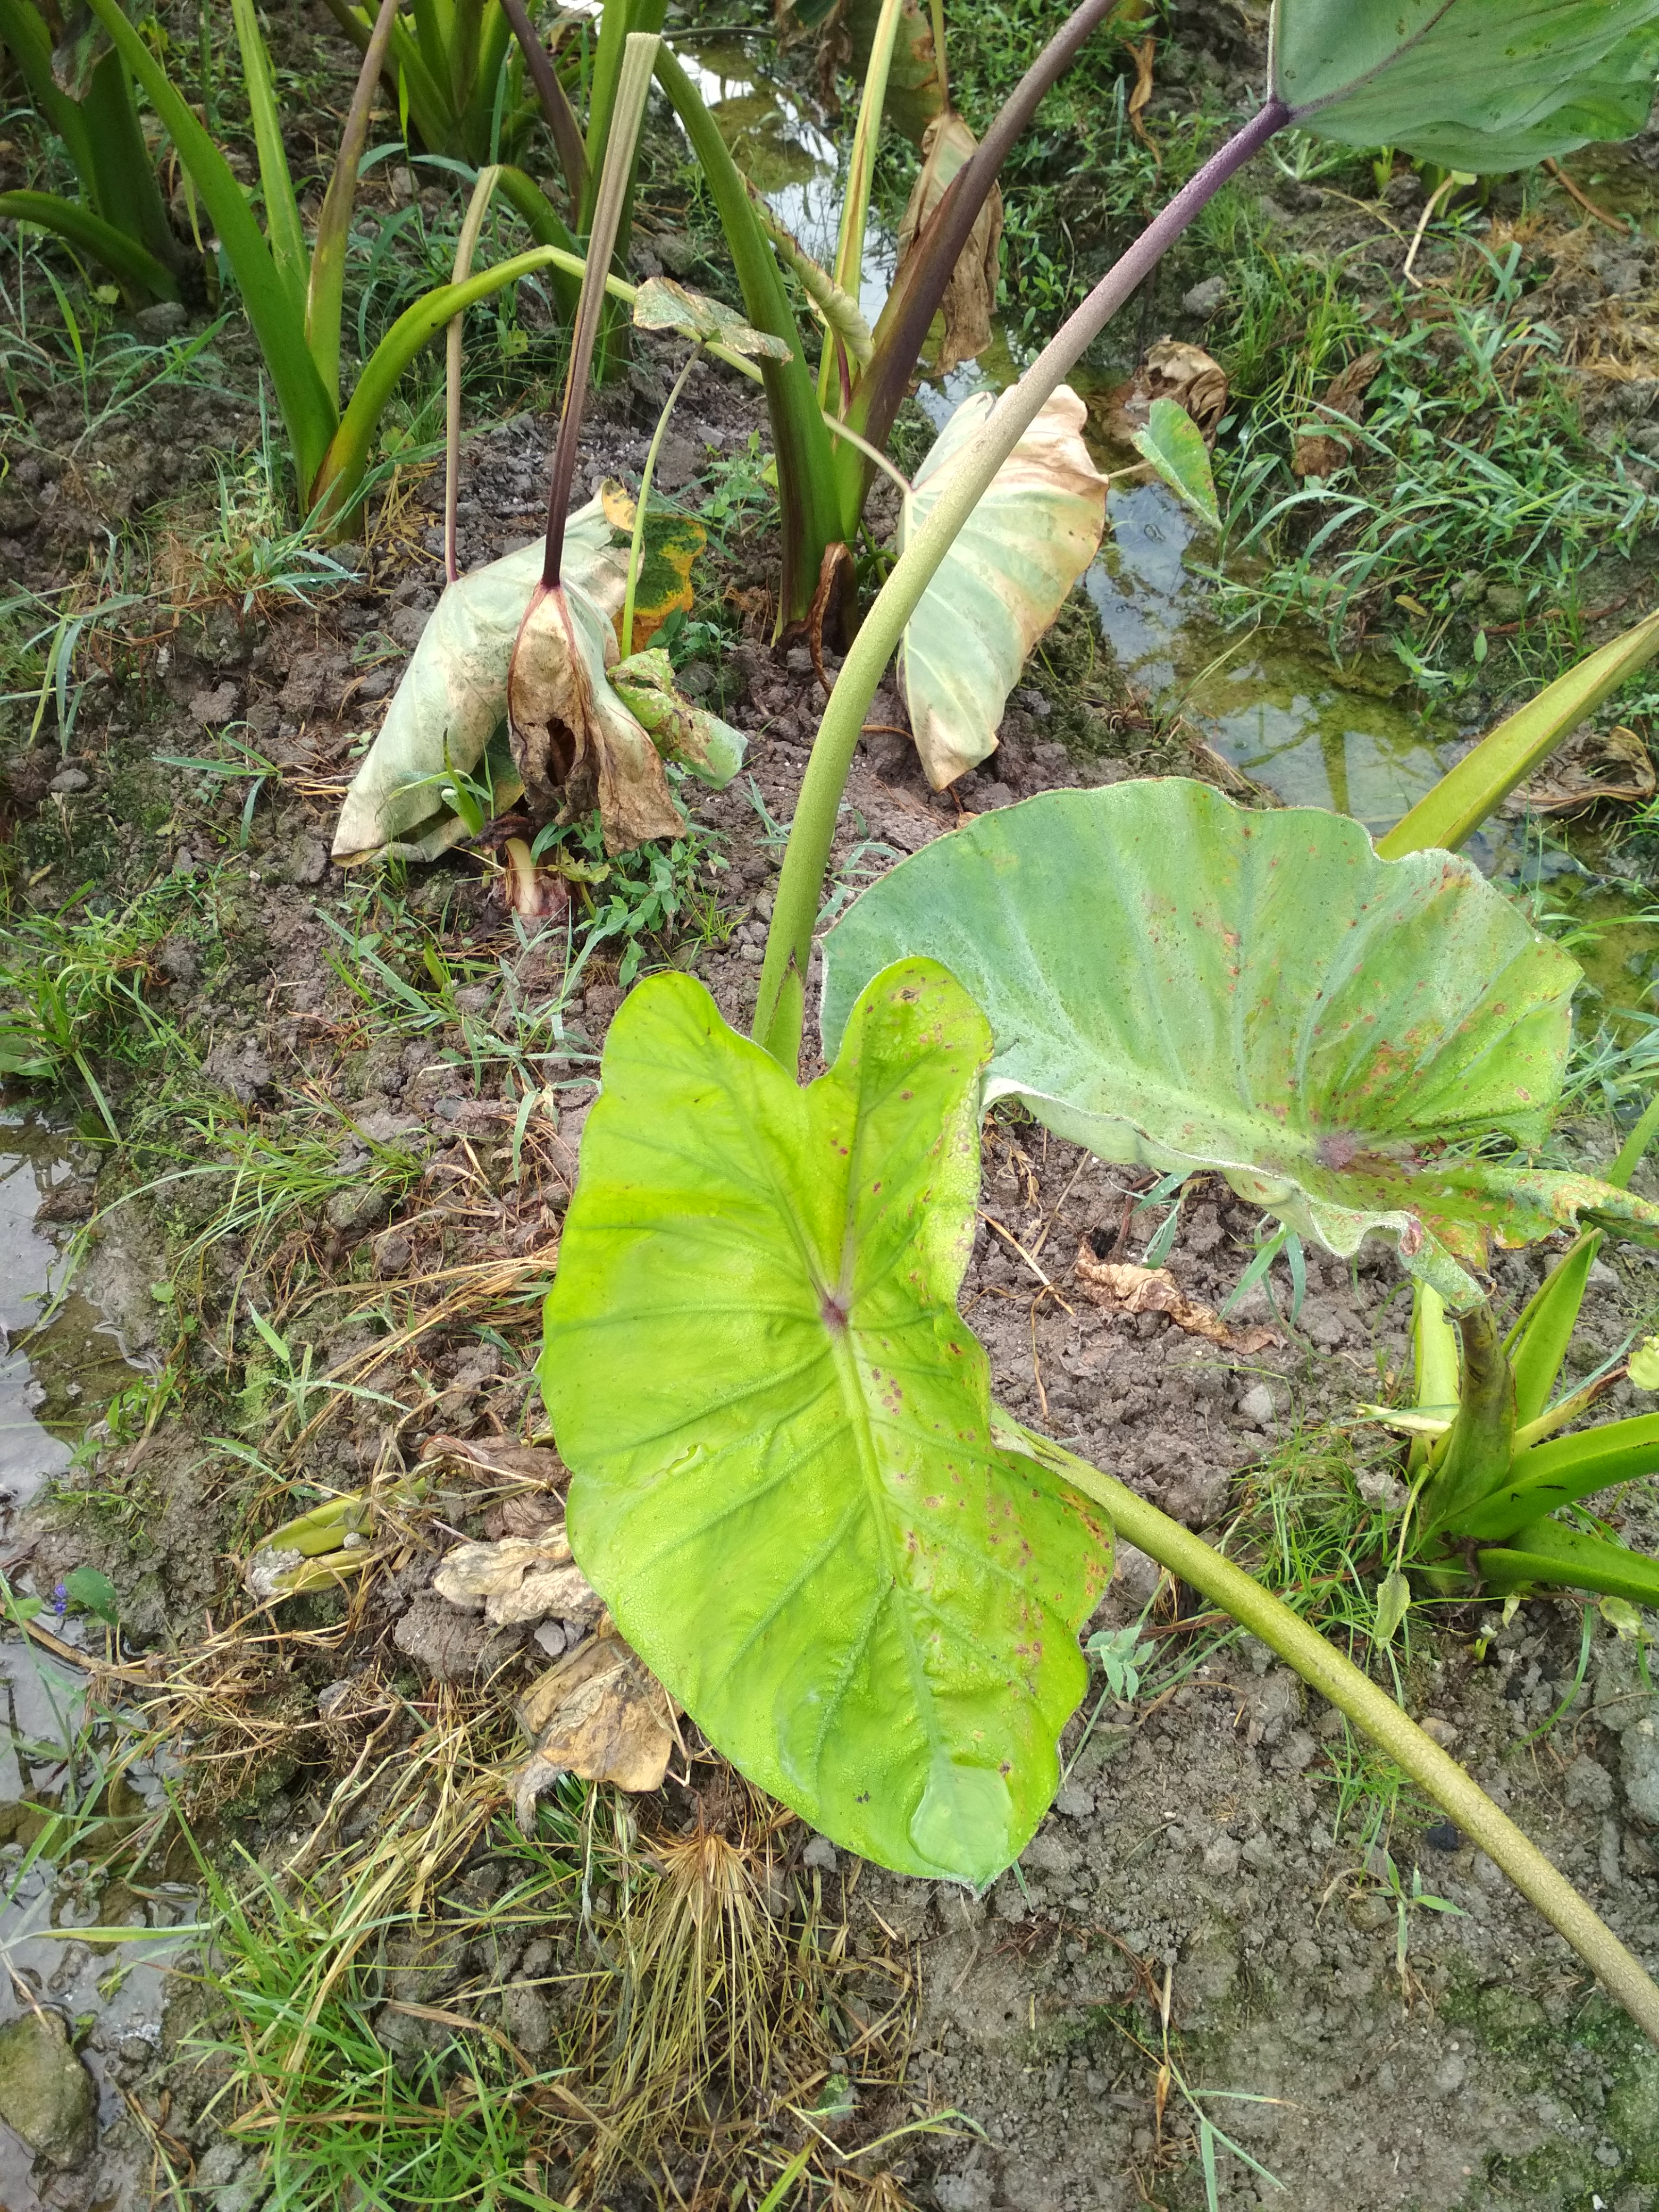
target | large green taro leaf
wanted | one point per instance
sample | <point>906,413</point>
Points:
<point>1482,85</point>
<point>1175,982</point>
<point>785,1486</point>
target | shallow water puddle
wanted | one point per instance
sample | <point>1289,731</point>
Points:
<point>74,1815</point>
<point>52,1379</point>
<point>1273,702</point>
<point>86,1829</point>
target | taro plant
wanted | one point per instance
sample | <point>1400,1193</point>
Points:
<point>83,91</point>
<point>789,1480</point>
<point>294,295</point>
<point>526,648</point>
<point>458,73</point>
<point>1495,1508</point>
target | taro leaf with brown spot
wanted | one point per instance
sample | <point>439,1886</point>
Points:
<point>1118,1286</point>
<point>574,744</point>
<point>784,1480</point>
<point>601,1714</point>
<point>452,697</point>
<point>663,305</point>
<point>1176,982</point>
<point>970,296</point>
<point>1002,580</point>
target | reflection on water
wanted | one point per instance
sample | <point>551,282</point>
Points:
<point>787,156</point>
<point>1271,702</point>
<point>52,1380</point>
<point>87,1826</point>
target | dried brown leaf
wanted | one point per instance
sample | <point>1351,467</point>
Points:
<point>1172,370</point>
<point>1601,767</point>
<point>1121,1287</point>
<point>600,1714</point>
<point>970,296</point>
<point>574,744</point>
<point>521,1579</point>
<point>1142,55</point>
<point>531,1464</point>
<point>1322,452</point>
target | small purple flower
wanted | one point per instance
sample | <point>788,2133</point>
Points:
<point>59,1600</point>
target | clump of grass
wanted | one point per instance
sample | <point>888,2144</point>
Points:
<point>75,991</point>
<point>1464,530</point>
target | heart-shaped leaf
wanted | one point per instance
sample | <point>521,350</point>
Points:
<point>452,698</point>
<point>1002,580</point>
<point>1481,85</point>
<point>1173,981</point>
<point>785,1484</point>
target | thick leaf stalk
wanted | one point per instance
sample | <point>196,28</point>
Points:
<point>780,1008</point>
<point>1450,813</point>
<point>1353,1693</point>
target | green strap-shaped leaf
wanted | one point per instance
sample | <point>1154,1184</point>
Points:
<point>1173,981</point>
<point>125,260</point>
<point>785,1483</point>
<point>1453,810</point>
<point>1483,85</point>
<point>307,408</point>
<point>1551,1555</point>
<point>1561,1471</point>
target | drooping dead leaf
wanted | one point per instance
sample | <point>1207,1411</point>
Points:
<point>600,1714</point>
<point>521,1579</point>
<point>1322,453</point>
<point>1172,370</point>
<point>970,296</point>
<point>1601,768</point>
<point>1003,581</point>
<point>452,697</point>
<point>662,305</point>
<point>574,744</point>
<point>1120,1287</point>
